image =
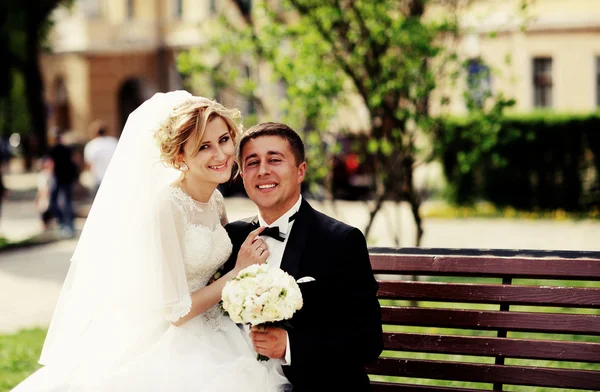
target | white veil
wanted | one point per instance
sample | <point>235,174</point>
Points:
<point>127,265</point>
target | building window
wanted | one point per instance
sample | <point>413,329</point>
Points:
<point>598,81</point>
<point>479,84</point>
<point>178,9</point>
<point>130,9</point>
<point>542,82</point>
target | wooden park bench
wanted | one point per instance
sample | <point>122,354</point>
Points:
<point>474,320</point>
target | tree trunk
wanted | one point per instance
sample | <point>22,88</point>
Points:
<point>413,198</point>
<point>34,88</point>
<point>373,213</point>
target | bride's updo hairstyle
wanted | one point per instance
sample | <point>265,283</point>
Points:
<point>189,120</point>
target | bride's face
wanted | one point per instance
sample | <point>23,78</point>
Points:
<point>213,161</point>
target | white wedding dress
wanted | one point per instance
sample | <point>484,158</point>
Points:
<point>208,353</point>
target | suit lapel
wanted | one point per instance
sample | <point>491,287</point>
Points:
<point>296,244</point>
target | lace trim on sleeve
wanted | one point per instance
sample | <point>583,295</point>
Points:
<point>214,318</point>
<point>179,310</point>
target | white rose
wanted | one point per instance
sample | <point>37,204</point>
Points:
<point>271,313</point>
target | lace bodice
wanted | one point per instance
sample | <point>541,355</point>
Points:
<point>206,245</point>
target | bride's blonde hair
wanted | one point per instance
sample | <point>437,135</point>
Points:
<point>189,120</point>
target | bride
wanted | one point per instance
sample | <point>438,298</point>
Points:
<point>136,312</point>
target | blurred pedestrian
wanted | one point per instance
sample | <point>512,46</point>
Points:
<point>4,158</point>
<point>5,153</point>
<point>2,190</point>
<point>66,173</point>
<point>29,147</point>
<point>45,185</point>
<point>98,152</point>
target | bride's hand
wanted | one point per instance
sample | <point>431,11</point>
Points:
<point>253,251</point>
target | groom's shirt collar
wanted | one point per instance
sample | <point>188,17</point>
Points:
<point>283,221</point>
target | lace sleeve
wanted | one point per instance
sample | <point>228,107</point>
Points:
<point>176,297</point>
<point>220,203</point>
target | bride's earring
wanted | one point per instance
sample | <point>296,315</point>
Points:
<point>184,167</point>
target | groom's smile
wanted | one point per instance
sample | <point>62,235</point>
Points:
<point>267,187</point>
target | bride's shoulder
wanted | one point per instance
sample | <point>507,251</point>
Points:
<point>171,196</point>
<point>169,193</point>
<point>219,201</point>
<point>217,195</point>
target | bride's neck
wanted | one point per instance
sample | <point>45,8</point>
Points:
<point>198,190</point>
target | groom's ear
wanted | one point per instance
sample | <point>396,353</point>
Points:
<point>301,172</point>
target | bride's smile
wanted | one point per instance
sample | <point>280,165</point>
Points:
<point>209,163</point>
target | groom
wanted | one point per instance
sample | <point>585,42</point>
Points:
<point>338,330</point>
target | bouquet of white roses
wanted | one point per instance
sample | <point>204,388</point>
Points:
<point>261,295</point>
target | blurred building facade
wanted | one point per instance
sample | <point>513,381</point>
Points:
<point>108,56</point>
<point>546,56</point>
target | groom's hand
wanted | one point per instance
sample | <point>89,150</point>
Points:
<point>269,341</point>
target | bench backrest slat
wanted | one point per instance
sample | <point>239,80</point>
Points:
<point>393,387</point>
<point>492,347</point>
<point>492,320</point>
<point>547,268</point>
<point>488,373</point>
<point>488,293</point>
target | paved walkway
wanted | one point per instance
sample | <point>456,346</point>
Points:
<point>19,219</point>
<point>30,282</point>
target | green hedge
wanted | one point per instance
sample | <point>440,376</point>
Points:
<point>533,162</point>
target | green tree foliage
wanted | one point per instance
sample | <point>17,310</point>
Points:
<point>13,107</point>
<point>387,52</point>
<point>23,31</point>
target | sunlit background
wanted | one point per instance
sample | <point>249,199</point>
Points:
<point>430,123</point>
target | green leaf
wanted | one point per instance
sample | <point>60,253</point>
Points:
<point>373,146</point>
<point>387,148</point>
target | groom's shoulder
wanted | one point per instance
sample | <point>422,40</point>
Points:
<point>240,225</point>
<point>243,221</point>
<point>331,226</point>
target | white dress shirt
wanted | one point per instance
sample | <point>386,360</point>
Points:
<point>98,153</point>
<point>276,249</point>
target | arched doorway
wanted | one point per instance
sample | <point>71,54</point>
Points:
<point>62,112</point>
<point>132,93</point>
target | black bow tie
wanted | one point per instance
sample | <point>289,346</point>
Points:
<point>273,231</point>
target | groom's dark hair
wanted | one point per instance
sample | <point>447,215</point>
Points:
<point>273,129</point>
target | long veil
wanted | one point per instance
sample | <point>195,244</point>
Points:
<point>127,265</point>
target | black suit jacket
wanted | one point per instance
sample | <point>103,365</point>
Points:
<point>338,330</point>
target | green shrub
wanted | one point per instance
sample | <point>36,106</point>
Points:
<point>532,162</point>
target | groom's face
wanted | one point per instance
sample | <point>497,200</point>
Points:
<point>271,175</point>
